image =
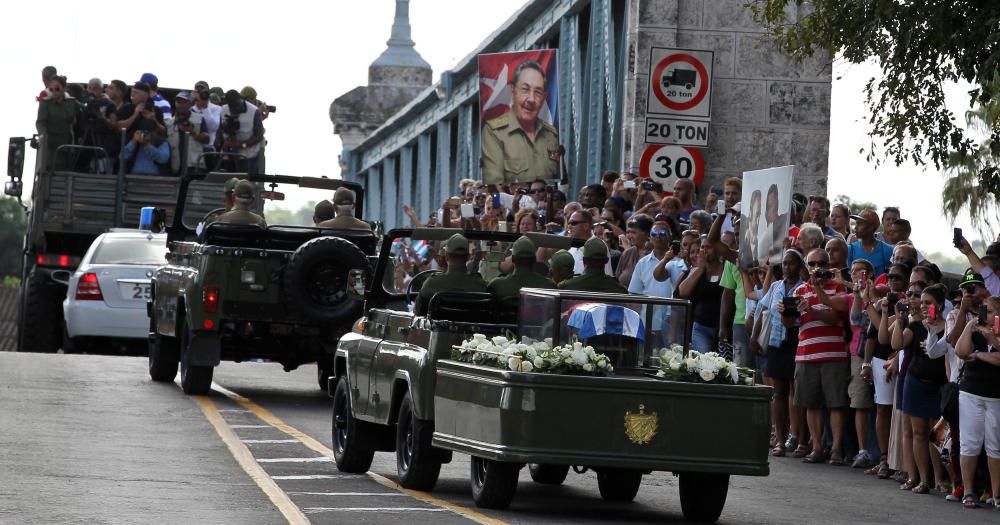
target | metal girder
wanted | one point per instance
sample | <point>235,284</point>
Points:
<point>443,180</point>
<point>390,193</point>
<point>405,184</point>
<point>422,188</point>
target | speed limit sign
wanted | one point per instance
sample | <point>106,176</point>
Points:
<point>666,164</point>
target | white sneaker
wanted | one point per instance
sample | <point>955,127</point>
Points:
<point>862,460</point>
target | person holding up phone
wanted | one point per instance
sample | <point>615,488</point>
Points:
<point>979,400</point>
<point>987,267</point>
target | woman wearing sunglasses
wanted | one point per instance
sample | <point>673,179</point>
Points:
<point>885,368</point>
<point>56,117</point>
<point>923,379</point>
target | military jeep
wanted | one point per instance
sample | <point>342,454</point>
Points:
<point>399,387</point>
<point>239,292</point>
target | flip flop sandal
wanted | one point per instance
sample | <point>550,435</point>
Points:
<point>801,451</point>
<point>883,471</point>
<point>778,451</point>
<point>921,488</point>
<point>815,456</point>
<point>837,458</point>
<point>969,501</point>
<point>909,485</point>
<point>874,470</point>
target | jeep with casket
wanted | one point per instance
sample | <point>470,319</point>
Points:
<point>399,387</point>
<point>237,292</point>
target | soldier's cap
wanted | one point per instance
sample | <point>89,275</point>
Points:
<point>971,277</point>
<point>562,260</point>
<point>214,98</point>
<point>150,80</point>
<point>868,215</point>
<point>243,190</point>
<point>183,94</point>
<point>324,209</point>
<point>456,245</point>
<point>523,248</point>
<point>248,92</point>
<point>231,185</point>
<point>595,248</point>
<point>343,197</point>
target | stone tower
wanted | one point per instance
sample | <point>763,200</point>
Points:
<point>397,76</point>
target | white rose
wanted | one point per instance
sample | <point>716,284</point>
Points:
<point>720,362</point>
<point>677,348</point>
<point>748,380</point>
<point>514,363</point>
<point>587,367</point>
<point>568,360</point>
<point>478,337</point>
<point>500,340</point>
<point>526,366</point>
<point>579,356</point>
<point>707,375</point>
<point>691,364</point>
<point>539,363</point>
<point>675,364</point>
<point>548,341</point>
<point>602,363</point>
<point>577,345</point>
<point>694,353</point>
<point>531,353</point>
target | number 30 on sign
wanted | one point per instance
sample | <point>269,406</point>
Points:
<point>666,164</point>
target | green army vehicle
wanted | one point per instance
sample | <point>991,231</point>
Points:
<point>399,386</point>
<point>239,292</point>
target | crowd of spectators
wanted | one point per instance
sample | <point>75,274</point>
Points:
<point>102,128</point>
<point>873,361</point>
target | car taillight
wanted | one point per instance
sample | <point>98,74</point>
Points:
<point>51,259</point>
<point>210,299</point>
<point>88,289</point>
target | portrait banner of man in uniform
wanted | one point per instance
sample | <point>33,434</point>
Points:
<point>767,201</point>
<point>518,105</point>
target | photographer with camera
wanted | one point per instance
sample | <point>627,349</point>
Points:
<point>193,124</point>
<point>141,113</point>
<point>249,94</point>
<point>147,153</point>
<point>241,132</point>
<point>210,112</point>
<point>97,128</point>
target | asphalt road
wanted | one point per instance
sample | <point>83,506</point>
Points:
<point>89,439</point>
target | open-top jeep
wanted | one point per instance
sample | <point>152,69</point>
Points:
<point>238,292</point>
<point>403,384</point>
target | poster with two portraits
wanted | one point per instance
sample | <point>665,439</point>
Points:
<point>518,116</point>
<point>764,215</point>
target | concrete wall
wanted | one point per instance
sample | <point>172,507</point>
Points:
<point>767,109</point>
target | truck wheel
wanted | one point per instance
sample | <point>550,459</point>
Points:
<point>703,495</point>
<point>194,379</point>
<point>163,355</point>
<point>416,460</point>
<point>315,280</point>
<point>493,482</point>
<point>548,474</point>
<point>349,444</point>
<point>618,484</point>
<point>41,314</point>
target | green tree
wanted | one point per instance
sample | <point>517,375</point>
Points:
<point>962,190</point>
<point>300,217</point>
<point>856,207</point>
<point>13,224</point>
<point>920,45</point>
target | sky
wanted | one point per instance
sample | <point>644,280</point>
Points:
<point>301,56</point>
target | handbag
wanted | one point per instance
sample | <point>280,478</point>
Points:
<point>949,402</point>
<point>764,337</point>
<point>725,350</point>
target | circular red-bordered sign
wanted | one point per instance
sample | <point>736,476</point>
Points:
<point>657,82</point>
<point>667,163</point>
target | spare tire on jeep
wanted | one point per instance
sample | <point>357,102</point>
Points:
<point>316,281</point>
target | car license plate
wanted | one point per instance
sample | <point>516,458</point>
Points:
<point>135,291</point>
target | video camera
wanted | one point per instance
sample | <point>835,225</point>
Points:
<point>231,125</point>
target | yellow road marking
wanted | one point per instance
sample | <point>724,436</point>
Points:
<point>246,460</point>
<point>268,417</point>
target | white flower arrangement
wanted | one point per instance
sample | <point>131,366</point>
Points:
<point>709,367</point>
<point>533,356</point>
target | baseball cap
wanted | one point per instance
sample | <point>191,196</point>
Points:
<point>595,248</point>
<point>230,185</point>
<point>183,94</point>
<point>149,78</point>
<point>868,215</point>
<point>343,196</point>
<point>141,86</point>
<point>456,245</point>
<point>248,92</point>
<point>563,260</point>
<point>971,277</point>
<point>523,248</point>
<point>243,190</point>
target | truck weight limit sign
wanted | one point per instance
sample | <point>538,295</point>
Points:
<point>666,164</point>
<point>680,82</point>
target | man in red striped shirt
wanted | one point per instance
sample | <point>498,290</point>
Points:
<point>822,366</point>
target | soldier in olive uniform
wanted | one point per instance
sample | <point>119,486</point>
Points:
<point>524,274</point>
<point>561,266</point>
<point>343,201</point>
<point>455,279</point>
<point>518,146</point>
<point>240,214</point>
<point>323,211</point>
<point>593,279</point>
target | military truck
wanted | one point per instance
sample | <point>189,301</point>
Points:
<point>237,292</point>
<point>68,209</point>
<point>399,387</point>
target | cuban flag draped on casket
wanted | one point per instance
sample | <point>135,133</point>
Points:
<point>593,319</point>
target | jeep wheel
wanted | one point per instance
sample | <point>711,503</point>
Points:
<point>703,495</point>
<point>195,379</point>
<point>618,484</point>
<point>493,482</point>
<point>416,460</point>
<point>548,474</point>
<point>40,314</point>
<point>315,280</point>
<point>350,449</point>
<point>163,355</point>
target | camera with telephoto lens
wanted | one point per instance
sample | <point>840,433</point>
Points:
<point>824,273</point>
<point>231,125</point>
<point>791,304</point>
